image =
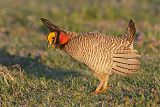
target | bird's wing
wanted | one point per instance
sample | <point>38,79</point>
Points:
<point>126,63</point>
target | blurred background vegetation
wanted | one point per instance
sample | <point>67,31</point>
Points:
<point>46,77</point>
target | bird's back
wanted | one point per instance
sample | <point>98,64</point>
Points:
<point>97,51</point>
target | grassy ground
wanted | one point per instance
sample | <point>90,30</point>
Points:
<point>46,77</point>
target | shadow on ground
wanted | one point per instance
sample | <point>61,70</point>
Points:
<point>35,66</point>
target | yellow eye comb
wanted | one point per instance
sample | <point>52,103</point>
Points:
<point>50,37</point>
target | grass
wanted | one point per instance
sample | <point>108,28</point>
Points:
<point>49,77</point>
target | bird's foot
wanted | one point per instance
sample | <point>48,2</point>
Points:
<point>103,90</point>
<point>108,87</point>
<point>96,92</point>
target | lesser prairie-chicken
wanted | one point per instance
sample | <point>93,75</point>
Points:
<point>103,54</point>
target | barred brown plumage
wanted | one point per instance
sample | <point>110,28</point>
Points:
<point>103,54</point>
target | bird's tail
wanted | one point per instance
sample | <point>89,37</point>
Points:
<point>130,32</point>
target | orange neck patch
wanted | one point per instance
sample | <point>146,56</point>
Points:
<point>63,38</point>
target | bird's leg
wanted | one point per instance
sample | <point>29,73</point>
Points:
<point>102,80</point>
<point>105,84</point>
<point>97,91</point>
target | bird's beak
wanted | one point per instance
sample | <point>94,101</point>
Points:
<point>52,45</point>
<point>49,45</point>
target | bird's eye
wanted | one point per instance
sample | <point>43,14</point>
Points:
<point>53,38</point>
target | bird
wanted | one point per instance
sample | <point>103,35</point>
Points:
<point>103,54</point>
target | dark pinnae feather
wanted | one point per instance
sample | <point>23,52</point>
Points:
<point>52,27</point>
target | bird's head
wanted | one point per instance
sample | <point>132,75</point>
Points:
<point>56,37</point>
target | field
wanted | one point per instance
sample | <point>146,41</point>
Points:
<point>43,77</point>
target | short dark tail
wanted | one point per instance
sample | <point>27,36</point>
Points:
<point>130,32</point>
